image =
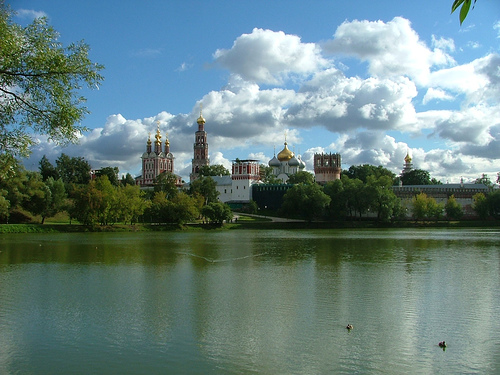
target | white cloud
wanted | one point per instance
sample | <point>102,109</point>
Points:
<point>436,94</point>
<point>391,49</point>
<point>30,13</point>
<point>270,57</point>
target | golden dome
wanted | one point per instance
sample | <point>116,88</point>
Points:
<point>200,120</point>
<point>285,154</point>
<point>407,158</point>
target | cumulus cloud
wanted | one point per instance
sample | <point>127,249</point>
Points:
<point>373,119</point>
<point>270,57</point>
<point>391,49</point>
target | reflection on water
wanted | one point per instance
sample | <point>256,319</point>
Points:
<point>251,302</point>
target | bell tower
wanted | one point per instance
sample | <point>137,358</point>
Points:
<point>200,157</point>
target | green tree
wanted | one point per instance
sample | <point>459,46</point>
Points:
<point>12,180</point>
<point>301,177</point>
<point>307,201</point>
<point>453,209</point>
<point>213,170</point>
<point>111,173</point>
<point>217,212</point>
<point>4,207</point>
<point>206,187</point>
<point>383,201</point>
<point>493,201</point>
<point>132,203</point>
<point>362,172</point>
<point>73,170</point>
<point>47,169</point>
<point>480,205</point>
<point>266,175</point>
<point>485,180</point>
<point>338,201</point>
<point>40,81</point>
<point>127,180</point>
<point>416,177</point>
<point>464,10</point>
<point>425,207</point>
<point>166,182</point>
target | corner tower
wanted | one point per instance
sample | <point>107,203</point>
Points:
<point>200,157</point>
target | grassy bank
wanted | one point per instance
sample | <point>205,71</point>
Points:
<point>242,224</point>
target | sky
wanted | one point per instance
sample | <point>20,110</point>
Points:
<point>370,80</point>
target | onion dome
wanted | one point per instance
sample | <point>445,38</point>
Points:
<point>274,162</point>
<point>293,162</point>
<point>407,158</point>
<point>285,154</point>
<point>302,165</point>
<point>200,120</point>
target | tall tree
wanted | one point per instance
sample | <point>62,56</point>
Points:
<point>362,172</point>
<point>306,201</point>
<point>416,177</point>
<point>453,209</point>
<point>301,177</point>
<point>47,169</point>
<point>205,186</point>
<point>213,170</point>
<point>111,173</point>
<point>166,182</point>
<point>73,170</point>
<point>40,80</point>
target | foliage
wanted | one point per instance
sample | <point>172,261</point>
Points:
<point>217,212</point>
<point>485,180</point>
<point>480,205</point>
<point>73,170</point>
<point>301,177</point>
<point>127,180</point>
<point>47,169</point>
<point>494,204</point>
<point>337,207</point>
<point>306,201</point>
<point>416,177</point>
<point>453,209</point>
<point>206,187</point>
<point>4,207</point>
<point>425,207</point>
<point>213,170</point>
<point>166,182</point>
<point>362,172</point>
<point>40,82</point>
<point>266,175</point>
<point>383,200</point>
<point>464,10</point>
<point>132,203</point>
<point>111,173</point>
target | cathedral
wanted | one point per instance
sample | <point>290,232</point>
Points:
<point>156,162</point>
<point>286,164</point>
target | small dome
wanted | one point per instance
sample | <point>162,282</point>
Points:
<point>302,165</point>
<point>200,120</point>
<point>407,158</point>
<point>274,162</point>
<point>285,154</point>
<point>293,162</point>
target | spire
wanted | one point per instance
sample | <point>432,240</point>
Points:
<point>167,144</point>
<point>148,147</point>
<point>201,120</point>
<point>158,138</point>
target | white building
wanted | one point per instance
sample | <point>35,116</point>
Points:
<point>237,188</point>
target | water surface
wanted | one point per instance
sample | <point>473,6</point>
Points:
<point>243,302</point>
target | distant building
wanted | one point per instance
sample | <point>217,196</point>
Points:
<point>327,167</point>
<point>200,156</point>
<point>156,162</point>
<point>408,166</point>
<point>237,188</point>
<point>286,164</point>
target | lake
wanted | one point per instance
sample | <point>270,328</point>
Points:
<point>251,302</point>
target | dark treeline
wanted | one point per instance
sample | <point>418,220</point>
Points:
<point>102,198</point>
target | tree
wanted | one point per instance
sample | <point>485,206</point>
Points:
<point>266,175</point>
<point>305,200</point>
<point>426,207</point>
<point>166,182</point>
<point>40,82</point>
<point>217,212</point>
<point>4,207</point>
<point>301,177</point>
<point>493,200</point>
<point>453,209</point>
<point>111,173</point>
<point>416,177</point>
<point>47,169</point>
<point>132,203</point>
<point>383,200</point>
<point>127,180</point>
<point>485,180</point>
<point>73,170</point>
<point>464,10</point>
<point>362,172</point>
<point>213,170</point>
<point>338,205</point>
<point>205,186</point>
<point>480,205</point>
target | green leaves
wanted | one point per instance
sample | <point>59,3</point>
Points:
<point>464,10</point>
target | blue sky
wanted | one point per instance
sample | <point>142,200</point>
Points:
<point>370,80</point>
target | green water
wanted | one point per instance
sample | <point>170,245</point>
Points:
<point>248,302</point>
